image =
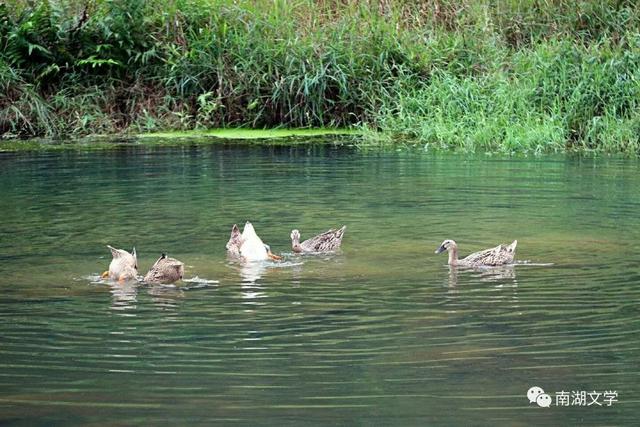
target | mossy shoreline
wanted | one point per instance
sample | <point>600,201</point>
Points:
<point>271,137</point>
<point>240,133</point>
<point>355,138</point>
<point>525,76</point>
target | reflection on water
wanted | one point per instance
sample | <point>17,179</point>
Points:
<point>453,277</point>
<point>496,274</point>
<point>253,294</point>
<point>252,271</point>
<point>499,274</point>
<point>165,296</point>
<point>381,333</point>
<point>124,296</point>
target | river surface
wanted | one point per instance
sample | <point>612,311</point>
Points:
<point>381,333</point>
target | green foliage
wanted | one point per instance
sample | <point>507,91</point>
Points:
<point>554,96</point>
<point>512,75</point>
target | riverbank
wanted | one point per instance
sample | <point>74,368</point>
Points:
<point>271,137</point>
<point>520,77</point>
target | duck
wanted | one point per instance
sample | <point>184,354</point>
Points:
<point>123,267</point>
<point>235,241</point>
<point>165,270</point>
<point>251,247</point>
<point>500,255</point>
<point>325,242</point>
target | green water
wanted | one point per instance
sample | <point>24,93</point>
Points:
<point>381,333</point>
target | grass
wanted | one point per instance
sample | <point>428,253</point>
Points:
<point>506,76</point>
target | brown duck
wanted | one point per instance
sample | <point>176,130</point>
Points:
<point>326,242</point>
<point>123,266</point>
<point>165,270</point>
<point>500,255</point>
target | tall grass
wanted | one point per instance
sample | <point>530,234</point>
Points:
<point>554,96</point>
<point>534,75</point>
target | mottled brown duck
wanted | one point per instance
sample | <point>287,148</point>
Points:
<point>500,255</point>
<point>165,270</point>
<point>328,241</point>
<point>235,241</point>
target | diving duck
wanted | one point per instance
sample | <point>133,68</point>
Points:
<point>326,242</point>
<point>165,270</point>
<point>248,245</point>
<point>123,267</point>
<point>235,241</point>
<point>500,255</point>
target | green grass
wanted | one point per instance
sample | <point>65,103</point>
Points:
<point>506,76</point>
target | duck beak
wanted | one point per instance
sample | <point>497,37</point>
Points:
<point>104,275</point>
<point>274,257</point>
<point>441,249</point>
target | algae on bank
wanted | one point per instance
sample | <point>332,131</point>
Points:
<point>181,138</point>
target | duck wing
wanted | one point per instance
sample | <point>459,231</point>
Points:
<point>165,270</point>
<point>325,242</point>
<point>500,255</point>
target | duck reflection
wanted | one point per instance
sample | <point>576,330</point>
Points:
<point>485,274</point>
<point>166,297</point>
<point>252,292</point>
<point>252,271</point>
<point>453,277</point>
<point>124,296</point>
<point>495,274</point>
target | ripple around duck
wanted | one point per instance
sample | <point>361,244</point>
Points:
<point>380,332</point>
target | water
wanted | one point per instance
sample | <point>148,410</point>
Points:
<point>380,333</point>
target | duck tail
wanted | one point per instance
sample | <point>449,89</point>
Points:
<point>114,252</point>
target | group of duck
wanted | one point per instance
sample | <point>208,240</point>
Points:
<point>247,246</point>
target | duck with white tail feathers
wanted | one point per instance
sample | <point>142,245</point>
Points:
<point>500,255</point>
<point>123,266</point>
<point>249,246</point>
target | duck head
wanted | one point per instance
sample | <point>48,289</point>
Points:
<point>447,245</point>
<point>451,247</point>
